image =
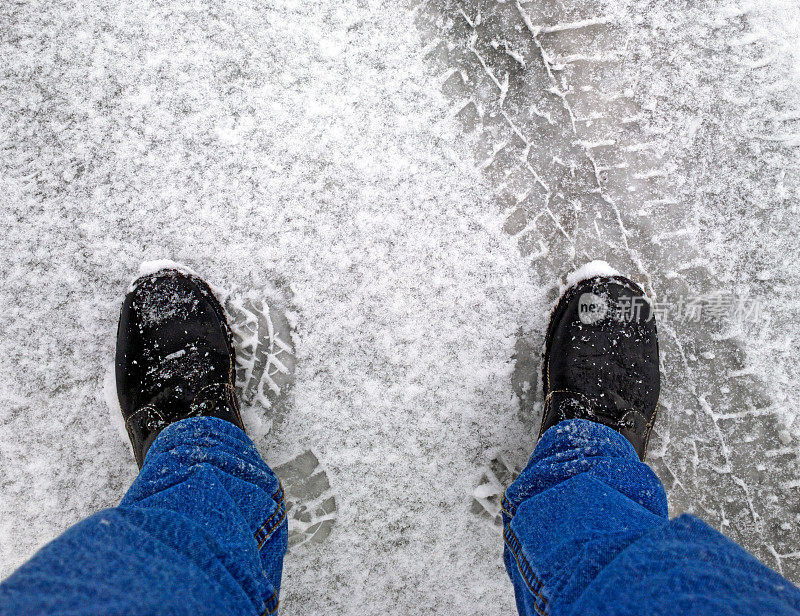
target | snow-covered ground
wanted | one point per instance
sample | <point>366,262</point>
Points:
<point>405,186</point>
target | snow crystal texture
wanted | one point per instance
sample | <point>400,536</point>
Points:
<point>389,196</point>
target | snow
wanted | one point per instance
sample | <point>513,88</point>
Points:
<point>589,270</point>
<point>112,404</point>
<point>151,267</point>
<point>388,182</point>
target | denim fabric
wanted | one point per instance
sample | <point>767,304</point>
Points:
<point>586,532</point>
<point>201,531</point>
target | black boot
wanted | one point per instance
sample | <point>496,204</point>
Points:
<point>601,359</point>
<point>175,357</point>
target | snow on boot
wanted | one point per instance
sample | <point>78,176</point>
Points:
<point>175,357</point>
<point>601,359</point>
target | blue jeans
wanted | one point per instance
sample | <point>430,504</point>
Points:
<point>203,531</point>
<point>586,532</point>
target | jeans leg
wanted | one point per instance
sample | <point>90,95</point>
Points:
<point>586,532</point>
<point>202,530</point>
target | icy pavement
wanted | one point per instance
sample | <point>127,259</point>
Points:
<point>404,186</point>
<point>665,139</point>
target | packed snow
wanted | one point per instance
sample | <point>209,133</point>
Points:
<point>588,270</point>
<point>388,198</point>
